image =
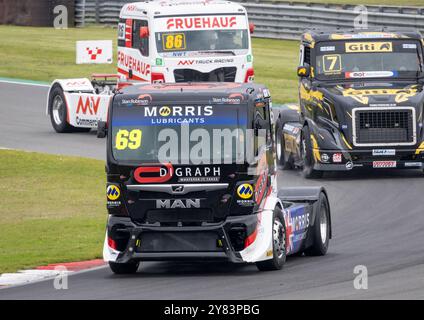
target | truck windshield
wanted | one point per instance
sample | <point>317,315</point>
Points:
<point>179,134</point>
<point>204,40</point>
<point>361,59</point>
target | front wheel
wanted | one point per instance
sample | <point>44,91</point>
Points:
<point>280,146</point>
<point>124,268</point>
<point>306,151</point>
<point>321,229</point>
<point>278,244</point>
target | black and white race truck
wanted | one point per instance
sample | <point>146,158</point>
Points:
<point>191,174</point>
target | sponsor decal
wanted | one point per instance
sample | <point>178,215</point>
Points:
<point>113,193</point>
<point>327,49</point>
<point>86,122</point>
<point>297,221</point>
<point>246,203</point>
<point>205,61</point>
<point>245,191</point>
<point>409,46</point>
<point>368,47</point>
<point>89,106</point>
<point>413,164</point>
<point>337,157</point>
<point>325,158</point>
<point>92,52</point>
<point>165,172</point>
<point>188,23</point>
<point>178,204</point>
<point>384,164</point>
<point>349,165</point>
<point>370,74</point>
<point>177,114</point>
<point>121,31</point>
<point>133,64</point>
<point>383,152</point>
<point>361,96</point>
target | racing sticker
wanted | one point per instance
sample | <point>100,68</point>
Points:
<point>173,41</point>
<point>370,74</point>
<point>245,191</point>
<point>384,164</point>
<point>113,193</point>
<point>369,46</point>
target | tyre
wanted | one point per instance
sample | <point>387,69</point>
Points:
<point>278,244</point>
<point>321,230</point>
<point>59,112</point>
<point>280,147</point>
<point>307,156</point>
<point>124,268</point>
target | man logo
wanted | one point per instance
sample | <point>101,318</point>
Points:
<point>245,191</point>
<point>113,192</point>
<point>178,189</point>
<point>165,111</point>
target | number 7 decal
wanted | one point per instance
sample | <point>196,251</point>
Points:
<point>332,63</point>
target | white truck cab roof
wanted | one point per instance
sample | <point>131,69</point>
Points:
<point>175,7</point>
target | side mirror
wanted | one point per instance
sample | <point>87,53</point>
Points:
<point>144,32</point>
<point>304,71</point>
<point>251,28</point>
<point>101,129</point>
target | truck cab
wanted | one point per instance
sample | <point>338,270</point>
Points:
<point>182,41</point>
<point>160,41</point>
<point>361,102</point>
<point>191,175</point>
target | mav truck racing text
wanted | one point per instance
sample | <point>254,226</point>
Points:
<point>191,174</point>
<point>160,41</point>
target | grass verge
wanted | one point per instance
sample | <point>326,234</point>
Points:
<point>52,209</point>
<point>45,54</point>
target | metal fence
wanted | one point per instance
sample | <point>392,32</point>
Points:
<point>277,19</point>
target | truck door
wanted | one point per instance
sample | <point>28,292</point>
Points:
<point>134,49</point>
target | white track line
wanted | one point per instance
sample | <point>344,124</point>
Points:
<point>18,82</point>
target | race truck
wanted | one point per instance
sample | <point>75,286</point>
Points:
<point>160,41</point>
<point>191,175</point>
<point>361,103</point>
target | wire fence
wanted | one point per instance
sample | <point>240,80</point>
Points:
<point>278,19</point>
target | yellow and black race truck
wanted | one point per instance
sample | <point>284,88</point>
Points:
<point>361,103</point>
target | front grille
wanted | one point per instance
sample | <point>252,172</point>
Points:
<point>179,215</point>
<point>384,126</point>
<point>227,74</point>
<point>179,241</point>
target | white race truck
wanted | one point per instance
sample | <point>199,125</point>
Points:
<point>160,41</point>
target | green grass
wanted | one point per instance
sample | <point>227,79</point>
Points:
<point>52,209</point>
<point>45,54</point>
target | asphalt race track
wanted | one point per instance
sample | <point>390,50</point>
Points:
<point>378,220</point>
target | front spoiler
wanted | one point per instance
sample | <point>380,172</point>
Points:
<point>351,159</point>
<point>226,252</point>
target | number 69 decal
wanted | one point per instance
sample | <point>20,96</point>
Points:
<point>128,139</point>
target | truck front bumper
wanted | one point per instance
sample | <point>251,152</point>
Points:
<point>127,241</point>
<point>378,158</point>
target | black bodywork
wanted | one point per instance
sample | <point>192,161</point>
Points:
<point>184,216</point>
<point>356,122</point>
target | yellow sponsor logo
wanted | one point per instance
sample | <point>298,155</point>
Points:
<point>401,95</point>
<point>369,46</point>
<point>165,111</point>
<point>113,192</point>
<point>245,191</point>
